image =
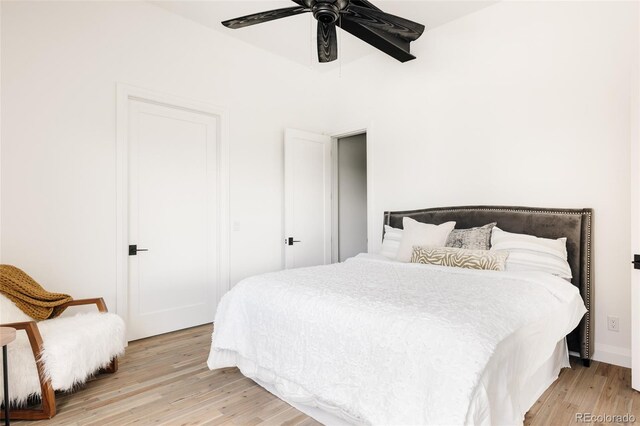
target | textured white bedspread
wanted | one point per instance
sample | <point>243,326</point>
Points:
<point>392,343</point>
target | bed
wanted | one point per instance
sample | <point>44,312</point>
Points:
<point>374,341</point>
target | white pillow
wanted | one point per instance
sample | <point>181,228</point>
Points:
<point>421,234</point>
<point>530,253</point>
<point>391,242</point>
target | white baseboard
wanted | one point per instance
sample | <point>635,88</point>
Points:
<point>615,355</point>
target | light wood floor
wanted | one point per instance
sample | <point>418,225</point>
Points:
<point>164,380</point>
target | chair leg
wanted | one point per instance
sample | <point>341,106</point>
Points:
<point>48,408</point>
<point>111,368</point>
<point>46,411</point>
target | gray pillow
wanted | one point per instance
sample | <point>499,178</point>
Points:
<point>471,239</point>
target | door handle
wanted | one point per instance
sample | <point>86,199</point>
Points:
<point>133,249</point>
<point>289,241</point>
<point>636,261</point>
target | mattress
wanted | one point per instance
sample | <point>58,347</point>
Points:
<point>371,341</point>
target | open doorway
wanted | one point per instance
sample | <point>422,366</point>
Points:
<point>349,196</point>
<point>326,204</point>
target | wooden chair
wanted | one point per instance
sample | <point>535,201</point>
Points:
<point>48,408</point>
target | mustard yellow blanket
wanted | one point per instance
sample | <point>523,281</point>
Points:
<point>29,296</point>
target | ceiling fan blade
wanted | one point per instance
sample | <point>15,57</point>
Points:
<point>258,18</point>
<point>394,46</point>
<point>327,42</point>
<point>364,3</point>
<point>392,24</point>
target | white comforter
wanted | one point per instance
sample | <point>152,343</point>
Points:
<point>389,343</point>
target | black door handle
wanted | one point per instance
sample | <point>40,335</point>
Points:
<point>133,249</point>
<point>636,261</point>
<point>289,241</point>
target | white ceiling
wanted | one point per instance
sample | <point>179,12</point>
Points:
<point>294,38</point>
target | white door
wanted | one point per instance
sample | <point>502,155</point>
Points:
<point>172,216</point>
<point>307,196</point>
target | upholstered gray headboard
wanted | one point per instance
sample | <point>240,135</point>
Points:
<point>574,224</point>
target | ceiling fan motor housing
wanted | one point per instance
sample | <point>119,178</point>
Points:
<point>326,11</point>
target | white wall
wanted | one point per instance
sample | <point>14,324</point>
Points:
<point>352,195</point>
<point>61,62</point>
<point>0,131</point>
<point>521,103</point>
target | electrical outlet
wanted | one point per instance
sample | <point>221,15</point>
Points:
<point>613,323</point>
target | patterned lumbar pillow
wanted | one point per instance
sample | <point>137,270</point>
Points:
<point>494,260</point>
<point>473,238</point>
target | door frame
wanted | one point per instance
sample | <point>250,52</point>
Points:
<point>372,230</point>
<point>124,94</point>
<point>635,221</point>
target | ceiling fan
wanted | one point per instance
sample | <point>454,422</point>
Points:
<point>388,33</point>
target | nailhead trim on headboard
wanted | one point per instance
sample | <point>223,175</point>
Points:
<point>587,342</point>
<point>577,213</point>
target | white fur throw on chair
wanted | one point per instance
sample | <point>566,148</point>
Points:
<point>74,348</point>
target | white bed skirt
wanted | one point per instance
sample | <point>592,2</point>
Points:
<point>537,384</point>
